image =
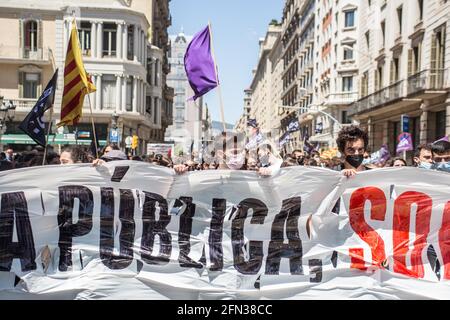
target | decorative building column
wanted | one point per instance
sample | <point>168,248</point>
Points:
<point>125,41</point>
<point>64,26</point>
<point>99,39</point>
<point>119,36</point>
<point>386,132</point>
<point>140,45</point>
<point>447,116</point>
<point>136,39</point>
<point>93,39</point>
<point>98,93</point>
<point>424,122</point>
<point>124,93</point>
<point>145,51</point>
<point>138,92</point>
<point>144,95</point>
<point>66,33</point>
<point>143,48</point>
<point>94,100</point>
<point>134,102</point>
<point>118,92</point>
<point>370,133</point>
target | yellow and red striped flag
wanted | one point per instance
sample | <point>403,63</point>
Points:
<point>77,83</point>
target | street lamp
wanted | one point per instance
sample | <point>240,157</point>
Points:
<point>114,118</point>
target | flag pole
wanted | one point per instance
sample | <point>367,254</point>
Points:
<point>51,114</point>
<point>217,77</point>
<point>48,135</point>
<point>93,127</point>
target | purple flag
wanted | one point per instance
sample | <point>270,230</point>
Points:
<point>199,64</point>
<point>404,142</point>
<point>443,139</point>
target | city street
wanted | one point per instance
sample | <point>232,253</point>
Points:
<point>224,150</point>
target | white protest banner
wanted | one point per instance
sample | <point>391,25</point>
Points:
<point>165,149</point>
<point>131,230</point>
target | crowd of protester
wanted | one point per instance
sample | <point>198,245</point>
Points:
<point>351,141</point>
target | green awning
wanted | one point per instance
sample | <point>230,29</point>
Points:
<point>53,140</point>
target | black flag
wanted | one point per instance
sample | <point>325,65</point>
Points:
<point>33,124</point>
<point>293,126</point>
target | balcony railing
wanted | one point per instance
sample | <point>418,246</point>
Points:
<point>22,103</point>
<point>342,97</point>
<point>27,53</point>
<point>432,79</point>
<point>380,97</point>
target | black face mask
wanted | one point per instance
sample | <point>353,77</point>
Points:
<point>355,161</point>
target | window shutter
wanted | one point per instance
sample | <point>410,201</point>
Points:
<point>361,86</point>
<point>410,62</point>
<point>441,62</point>
<point>39,86</point>
<point>392,73</point>
<point>442,49</point>
<point>21,37</point>
<point>364,85</point>
<point>377,80</point>
<point>419,60</point>
<point>434,59</point>
<point>40,41</point>
<point>21,82</point>
<point>433,65</point>
<point>21,33</point>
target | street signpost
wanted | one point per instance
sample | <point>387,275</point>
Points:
<point>404,120</point>
<point>114,136</point>
<point>405,123</point>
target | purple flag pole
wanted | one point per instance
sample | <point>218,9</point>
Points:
<point>219,90</point>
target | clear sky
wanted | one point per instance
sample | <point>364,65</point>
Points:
<point>236,26</point>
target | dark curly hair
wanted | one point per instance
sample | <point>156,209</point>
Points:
<point>351,133</point>
<point>440,147</point>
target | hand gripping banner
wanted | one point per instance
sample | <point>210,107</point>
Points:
<point>131,230</point>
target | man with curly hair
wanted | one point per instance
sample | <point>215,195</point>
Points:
<point>352,143</point>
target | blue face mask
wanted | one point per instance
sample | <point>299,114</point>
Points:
<point>443,166</point>
<point>425,165</point>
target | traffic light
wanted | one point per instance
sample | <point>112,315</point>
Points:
<point>134,143</point>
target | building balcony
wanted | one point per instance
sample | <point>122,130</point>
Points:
<point>428,80</point>
<point>13,54</point>
<point>341,98</point>
<point>379,98</point>
<point>22,104</point>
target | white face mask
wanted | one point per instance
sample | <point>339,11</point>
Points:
<point>425,165</point>
<point>235,161</point>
